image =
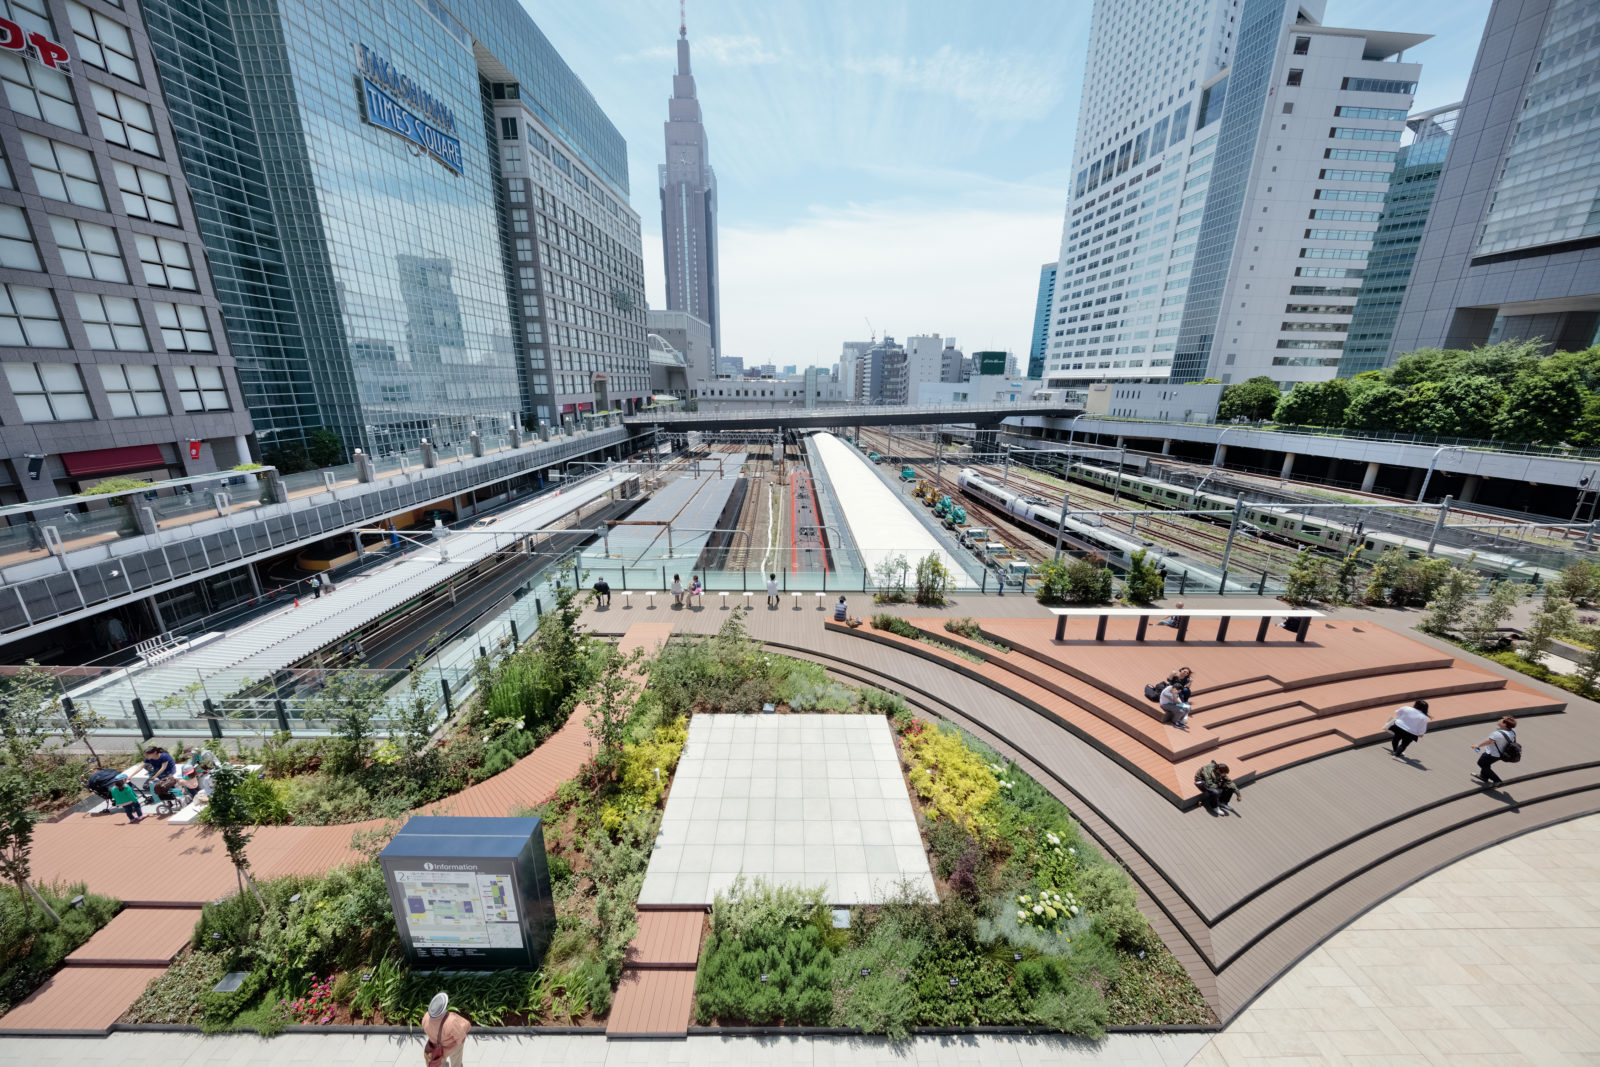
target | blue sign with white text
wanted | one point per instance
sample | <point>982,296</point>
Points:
<point>384,111</point>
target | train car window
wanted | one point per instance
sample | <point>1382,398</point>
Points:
<point>1369,546</point>
<point>1306,527</point>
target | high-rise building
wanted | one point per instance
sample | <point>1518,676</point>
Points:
<point>111,335</point>
<point>881,373</point>
<point>849,358</point>
<point>1394,242</point>
<point>1225,190</point>
<point>416,213</point>
<point>688,335</point>
<point>1512,245</point>
<point>924,361</point>
<point>689,205</point>
<point>1041,319</point>
<point>952,362</point>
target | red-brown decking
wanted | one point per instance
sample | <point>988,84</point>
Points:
<point>652,1003</point>
<point>1257,707</point>
<point>138,937</point>
<point>158,866</point>
<point>82,1000</point>
<point>666,939</point>
<point>1318,841</point>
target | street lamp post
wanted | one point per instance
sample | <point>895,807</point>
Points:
<point>1216,457</point>
<point>1426,478</point>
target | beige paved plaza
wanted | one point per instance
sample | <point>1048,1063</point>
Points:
<point>1494,960</point>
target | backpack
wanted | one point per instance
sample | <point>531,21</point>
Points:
<point>1510,748</point>
<point>1153,692</point>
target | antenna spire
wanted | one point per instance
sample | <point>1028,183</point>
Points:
<point>683,20</point>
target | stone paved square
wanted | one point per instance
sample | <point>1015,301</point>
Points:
<point>798,799</point>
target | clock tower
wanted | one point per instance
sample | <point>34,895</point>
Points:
<point>689,211</point>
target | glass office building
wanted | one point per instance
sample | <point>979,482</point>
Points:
<point>346,174</point>
<point>1394,242</point>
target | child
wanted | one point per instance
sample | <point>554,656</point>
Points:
<point>124,796</point>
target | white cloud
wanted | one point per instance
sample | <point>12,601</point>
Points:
<point>727,50</point>
<point>793,294</point>
<point>1001,86</point>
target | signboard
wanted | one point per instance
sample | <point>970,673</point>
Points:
<point>36,46</point>
<point>194,449</point>
<point>392,101</point>
<point>470,893</point>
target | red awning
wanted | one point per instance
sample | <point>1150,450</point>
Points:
<point>113,460</point>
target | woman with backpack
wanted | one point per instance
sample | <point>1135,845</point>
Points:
<point>1502,744</point>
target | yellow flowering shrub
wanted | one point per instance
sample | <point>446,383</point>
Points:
<point>640,789</point>
<point>953,782</point>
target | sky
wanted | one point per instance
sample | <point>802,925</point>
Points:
<point>885,166</point>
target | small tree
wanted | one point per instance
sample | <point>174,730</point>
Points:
<point>350,703</point>
<point>1349,577</point>
<point>18,817</point>
<point>1579,582</point>
<point>1557,617</point>
<point>27,731</point>
<point>1307,580</point>
<point>229,813</point>
<point>1254,399</point>
<point>889,576</point>
<point>933,580</point>
<point>411,723</point>
<point>1483,622</point>
<point>83,720</point>
<point>1589,668</point>
<point>1450,602</point>
<point>1143,584</point>
<point>612,706</point>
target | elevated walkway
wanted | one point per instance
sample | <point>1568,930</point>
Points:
<point>101,573</point>
<point>787,418</point>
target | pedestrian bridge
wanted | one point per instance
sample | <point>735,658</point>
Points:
<point>789,418</point>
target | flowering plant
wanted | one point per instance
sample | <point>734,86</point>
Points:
<point>1047,910</point>
<point>315,1007</point>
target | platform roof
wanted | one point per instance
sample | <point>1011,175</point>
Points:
<point>881,523</point>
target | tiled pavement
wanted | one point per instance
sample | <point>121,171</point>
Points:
<point>802,799</point>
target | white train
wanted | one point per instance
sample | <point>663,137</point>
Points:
<point>1044,517</point>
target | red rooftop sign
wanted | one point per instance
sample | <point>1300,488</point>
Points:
<point>36,46</point>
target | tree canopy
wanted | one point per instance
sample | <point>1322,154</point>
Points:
<point>1507,391</point>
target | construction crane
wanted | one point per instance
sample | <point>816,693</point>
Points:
<point>872,335</point>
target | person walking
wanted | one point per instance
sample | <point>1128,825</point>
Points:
<point>124,796</point>
<point>446,1032</point>
<point>1494,748</point>
<point>1408,724</point>
<point>677,591</point>
<point>772,590</point>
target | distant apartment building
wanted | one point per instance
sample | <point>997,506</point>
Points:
<point>1512,245</point>
<point>849,359</point>
<point>1041,319</point>
<point>953,363</point>
<point>881,374</point>
<point>924,360</point>
<point>1228,178</point>
<point>116,359</point>
<point>1394,244</point>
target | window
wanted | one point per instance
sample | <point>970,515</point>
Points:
<point>1302,46</point>
<point>1390,114</point>
<point>88,250</point>
<point>1288,107</point>
<point>519,219</point>
<point>28,318</point>
<point>112,322</point>
<point>146,194</point>
<point>1339,235</point>
<point>125,121</point>
<point>132,390</point>
<point>1355,176</point>
<point>103,42</point>
<point>35,90</point>
<point>1377,85</point>
<point>1315,327</point>
<point>183,327</point>
<point>1355,133</point>
<point>63,172</point>
<point>517,190</point>
<point>16,242</point>
<point>48,392</point>
<point>165,262</point>
<point>1349,194</point>
<point>1364,155</point>
<point>202,388</point>
<point>1295,76</point>
<point>508,128</point>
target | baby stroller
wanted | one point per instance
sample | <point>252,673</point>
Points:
<point>165,796</point>
<point>99,783</point>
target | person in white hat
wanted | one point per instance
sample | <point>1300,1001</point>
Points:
<point>446,1032</point>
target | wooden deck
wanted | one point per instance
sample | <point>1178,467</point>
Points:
<point>667,940</point>
<point>1318,841</point>
<point>79,1000</point>
<point>138,937</point>
<point>652,1003</point>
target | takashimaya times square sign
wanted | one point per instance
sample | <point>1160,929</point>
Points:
<point>397,104</point>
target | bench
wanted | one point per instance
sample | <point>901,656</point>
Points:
<point>1183,615</point>
<point>153,650</point>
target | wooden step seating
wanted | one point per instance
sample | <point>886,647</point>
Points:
<point>1259,708</point>
<point>656,995</point>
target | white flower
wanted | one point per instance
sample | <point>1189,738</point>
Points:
<point>1038,909</point>
<point>1053,839</point>
<point>1022,916</point>
<point>1074,909</point>
<point>1073,851</point>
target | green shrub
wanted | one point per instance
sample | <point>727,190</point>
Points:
<point>1110,898</point>
<point>173,997</point>
<point>895,625</point>
<point>766,960</point>
<point>1085,580</point>
<point>871,986</point>
<point>1144,583</point>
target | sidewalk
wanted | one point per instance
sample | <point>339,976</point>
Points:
<point>356,1050</point>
